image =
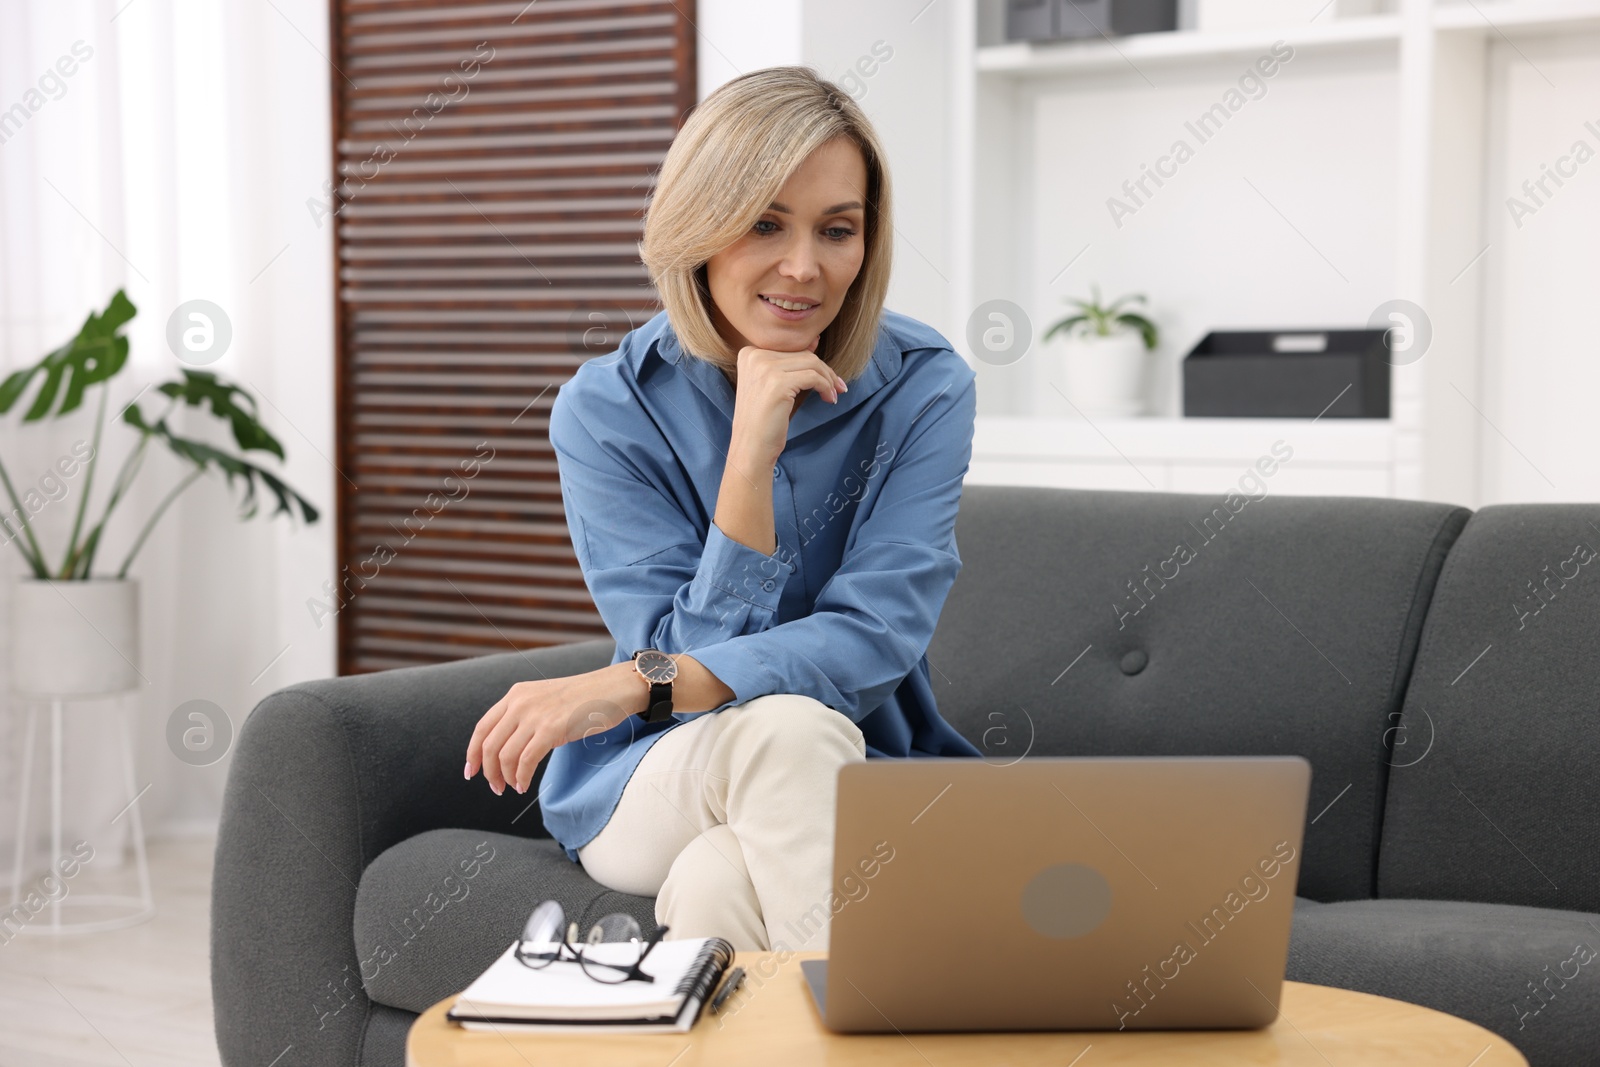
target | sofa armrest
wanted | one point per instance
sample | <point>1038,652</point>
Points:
<point>325,776</point>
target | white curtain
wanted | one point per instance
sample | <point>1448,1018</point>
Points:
<point>170,148</point>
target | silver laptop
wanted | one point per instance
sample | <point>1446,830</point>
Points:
<point>1061,894</point>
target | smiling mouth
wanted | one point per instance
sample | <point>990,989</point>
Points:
<point>788,305</point>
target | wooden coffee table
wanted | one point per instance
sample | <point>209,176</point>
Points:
<point>771,1021</point>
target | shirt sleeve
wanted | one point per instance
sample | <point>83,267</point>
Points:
<point>673,598</point>
<point>873,621</point>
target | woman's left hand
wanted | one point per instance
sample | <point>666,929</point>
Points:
<point>535,717</point>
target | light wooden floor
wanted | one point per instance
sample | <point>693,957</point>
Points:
<point>136,997</point>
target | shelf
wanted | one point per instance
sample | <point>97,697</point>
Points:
<point>1524,16</point>
<point>1026,59</point>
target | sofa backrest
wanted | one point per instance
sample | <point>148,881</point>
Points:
<point>1114,623</point>
<point>1495,794</point>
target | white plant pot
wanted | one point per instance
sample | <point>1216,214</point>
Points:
<point>75,638</point>
<point>1105,375</point>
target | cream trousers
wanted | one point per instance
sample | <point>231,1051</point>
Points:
<point>728,822</point>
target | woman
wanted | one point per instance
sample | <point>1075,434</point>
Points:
<point>761,487</point>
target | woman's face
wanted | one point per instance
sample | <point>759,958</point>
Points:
<point>805,249</point>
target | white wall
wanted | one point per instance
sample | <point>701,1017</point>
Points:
<point>736,36</point>
<point>893,57</point>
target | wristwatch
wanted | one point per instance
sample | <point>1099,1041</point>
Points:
<point>658,670</point>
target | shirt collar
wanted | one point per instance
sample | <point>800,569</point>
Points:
<point>814,410</point>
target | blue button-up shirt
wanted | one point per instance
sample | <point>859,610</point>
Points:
<point>864,502</point>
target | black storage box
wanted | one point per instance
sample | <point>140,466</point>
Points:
<point>1288,374</point>
<point>1050,20</point>
<point>1032,20</point>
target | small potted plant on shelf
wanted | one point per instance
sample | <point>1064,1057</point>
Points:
<point>1104,353</point>
<point>75,633</point>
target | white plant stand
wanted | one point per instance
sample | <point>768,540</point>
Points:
<point>71,641</point>
<point>136,909</point>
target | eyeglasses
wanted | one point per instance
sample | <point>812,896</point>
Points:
<point>611,953</point>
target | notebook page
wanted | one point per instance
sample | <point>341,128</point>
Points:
<point>563,990</point>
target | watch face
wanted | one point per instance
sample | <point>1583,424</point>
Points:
<point>656,666</point>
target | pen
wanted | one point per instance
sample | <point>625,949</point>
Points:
<point>734,981</point>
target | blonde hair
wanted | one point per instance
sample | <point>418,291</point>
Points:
<point>722,171</point>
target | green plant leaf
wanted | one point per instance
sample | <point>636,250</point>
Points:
<point>1146,328</point>
<point>1068,324</point>
<point>203,387</point>
<point>1105,320</point>
<point>203,455</point>
<point>94,355</point>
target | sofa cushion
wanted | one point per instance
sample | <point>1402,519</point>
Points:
<point>435,910</point>
<point>383,1043</point>
<point>1289,629</point>
<point>1505,805</point>
<point>1531,975</point>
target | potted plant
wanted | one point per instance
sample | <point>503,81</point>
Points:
<point>75,632</point>
<point>1105,347</point>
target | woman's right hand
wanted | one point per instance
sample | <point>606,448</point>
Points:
<point>769,386</point>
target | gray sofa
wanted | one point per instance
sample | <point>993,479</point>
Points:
<point>1436,666</point>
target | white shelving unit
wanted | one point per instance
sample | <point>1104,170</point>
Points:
<point>1365,171</point>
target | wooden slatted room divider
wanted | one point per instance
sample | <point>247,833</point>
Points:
<point>493,162</point>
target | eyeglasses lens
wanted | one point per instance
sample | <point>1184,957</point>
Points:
<point>541,936</point>
<point>613,947</point>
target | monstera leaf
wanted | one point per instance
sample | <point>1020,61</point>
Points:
<point>96,354</point>
<point>203,455</point>
<point>202,387</point>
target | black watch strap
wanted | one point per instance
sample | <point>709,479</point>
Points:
<point>660,708</point>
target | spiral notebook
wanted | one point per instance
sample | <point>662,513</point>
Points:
<point>562,998</point>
